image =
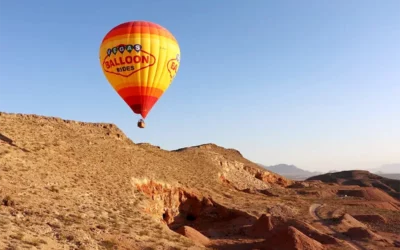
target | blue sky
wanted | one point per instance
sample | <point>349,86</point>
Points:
<point>310,83</point>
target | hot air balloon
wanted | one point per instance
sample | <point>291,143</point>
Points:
<point>140,59</point>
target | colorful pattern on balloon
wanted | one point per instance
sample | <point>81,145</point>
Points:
<point>140,60</point>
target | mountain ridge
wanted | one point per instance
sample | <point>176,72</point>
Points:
<point>290,171</point>
<point>76,185</point>
<point>107,183</point>
<point>361,178</point>
<point>393,168</point>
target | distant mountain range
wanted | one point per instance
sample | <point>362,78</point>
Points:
<point>290,171</point>
<point>387,169</point>
<point>389,176</point>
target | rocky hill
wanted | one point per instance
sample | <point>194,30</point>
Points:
<point>362,179</point>
<point>73,185</point>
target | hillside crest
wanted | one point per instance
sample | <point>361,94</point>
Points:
<point>77,185</point>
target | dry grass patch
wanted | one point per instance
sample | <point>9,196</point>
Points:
<point>80,170</point>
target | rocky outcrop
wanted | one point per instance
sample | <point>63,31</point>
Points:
<point>178,207</point>
<point>271,178</point>
<point>241,172</point>
<point>283,210</point>
<point>194,235</point>
<point>362,233</point>
<point>347,221</point>
<point>312,232</point>
<point>268,177</point>
<point>269,224</point>
<point>264,225</point>
<point>235,172</point>
<point>290,238</point>
<point>371,218</point>
<point>168,201</point>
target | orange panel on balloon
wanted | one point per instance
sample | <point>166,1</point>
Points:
<point>140,60</point>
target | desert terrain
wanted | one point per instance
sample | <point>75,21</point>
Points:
<point>76,185</point>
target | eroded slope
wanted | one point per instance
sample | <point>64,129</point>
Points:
<point>73,185</point>
<point>67,183</point>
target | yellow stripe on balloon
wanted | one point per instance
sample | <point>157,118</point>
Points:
<point>140,60</point>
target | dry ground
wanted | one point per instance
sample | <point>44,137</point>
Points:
<point>73,185</point>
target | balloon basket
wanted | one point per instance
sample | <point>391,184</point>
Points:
<point>141,124</point>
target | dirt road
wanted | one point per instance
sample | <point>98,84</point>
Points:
<point>313,212</point>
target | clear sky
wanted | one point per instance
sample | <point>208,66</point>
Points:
<point>311,83</point>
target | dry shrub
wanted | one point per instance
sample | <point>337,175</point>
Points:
<point>8,201</point>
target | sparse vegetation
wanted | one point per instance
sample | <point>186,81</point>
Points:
<point>8,201</point>
<point>101,226</point>
<point>81,194</point>
<point>53,189</point>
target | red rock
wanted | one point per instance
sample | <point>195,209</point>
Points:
<point>375,218</point>
<point>262,227</point>
<point>194,235</point>
<point>362,233</point>
<point>290,238</point>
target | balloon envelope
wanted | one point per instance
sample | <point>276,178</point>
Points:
<point>140,59</point>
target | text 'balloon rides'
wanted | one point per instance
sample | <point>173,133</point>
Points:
<point>140,59</point>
